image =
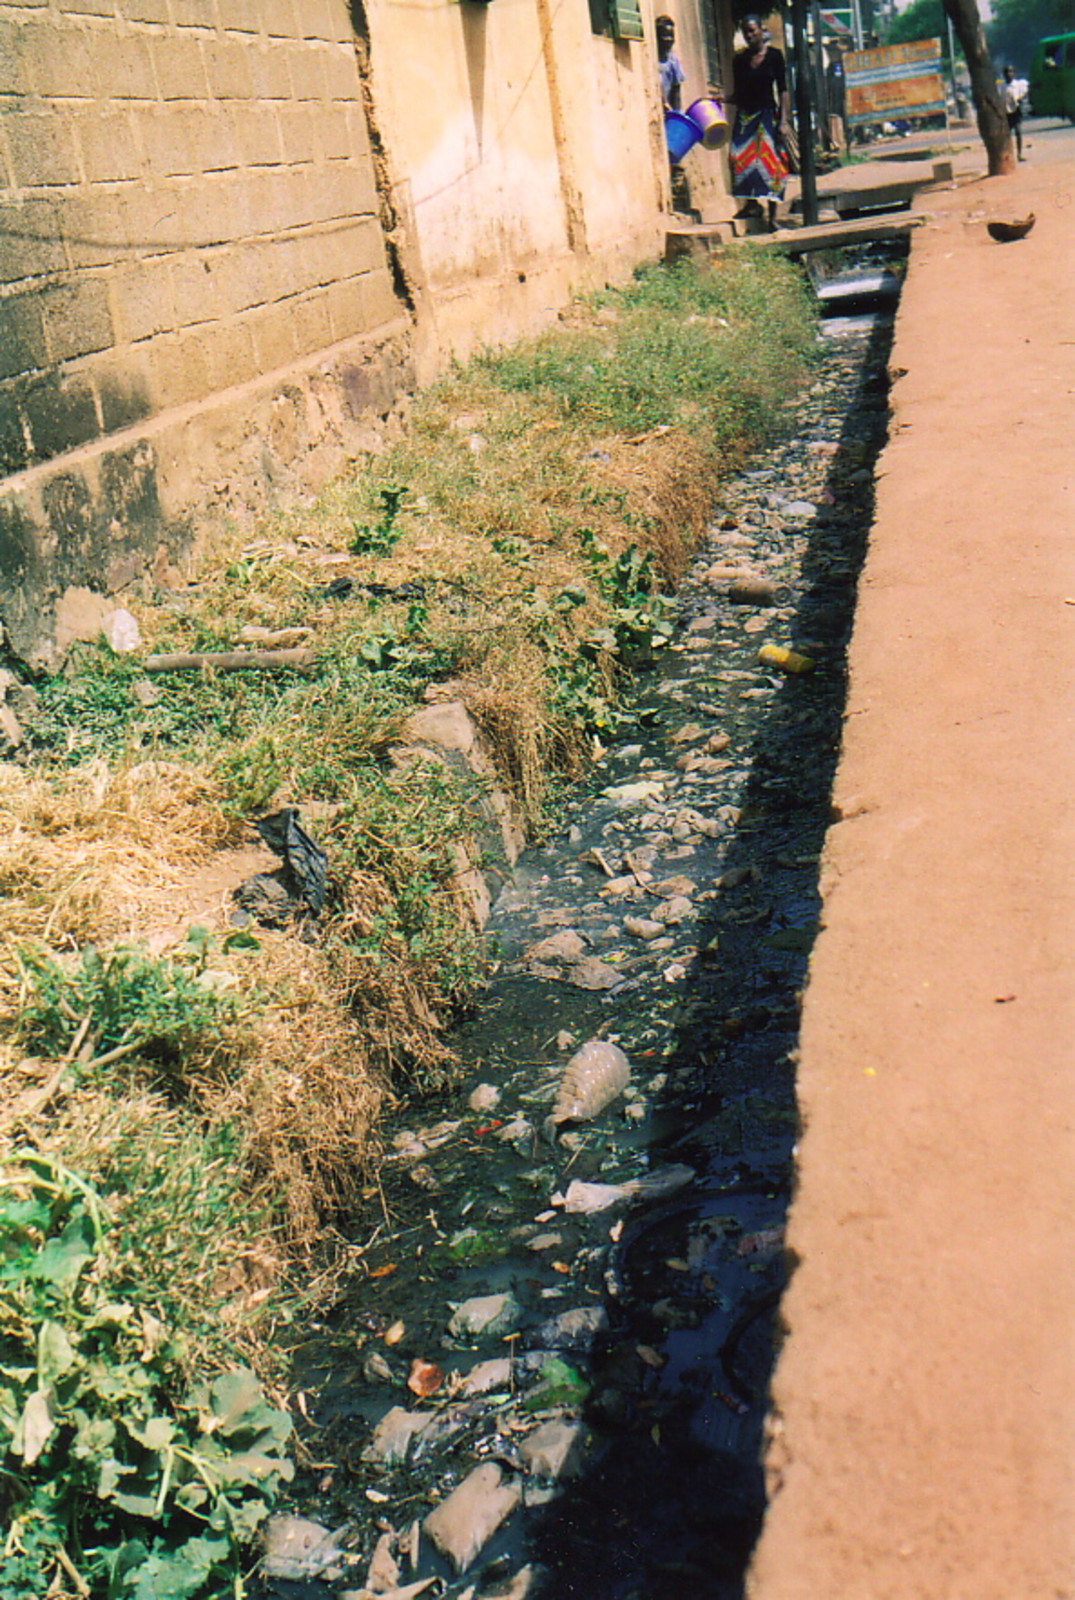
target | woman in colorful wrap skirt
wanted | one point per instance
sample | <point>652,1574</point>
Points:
<point>762,120</point>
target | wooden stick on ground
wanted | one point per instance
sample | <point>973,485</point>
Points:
<point>230,660</point>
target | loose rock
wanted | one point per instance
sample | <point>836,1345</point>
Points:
<point>571,1330</point>
<point>393,1435</point>
<point>555,1449</point>
<point>464,1523</point>
<point>485,1316</point>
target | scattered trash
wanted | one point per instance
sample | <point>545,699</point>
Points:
<point>1009,232</point>
<point>485,1317</point>
<point>122,632</point>
<point>464,1523</point>
<point>628,1283</point>
<point>592,1079</point>
<point>555,1449</point>
<point>300,884</point>
<point>424,1378</point>
<point>296,1548</point>
<point>748,590</point>
<point>784,660</point>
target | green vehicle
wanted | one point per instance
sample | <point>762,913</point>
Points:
<point>1052,77</point>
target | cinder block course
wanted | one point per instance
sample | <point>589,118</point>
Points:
<point>88,8</point>
<point>239,16</point>
<point>240,278</point>
<point>215,210</point>
<point>297,123</point>
<point>14,447</point>
<point>313,326</point>
<point>30,240</point>
<point>60,412</point>
<point>227,65</point>
<point>273,332</point>
<point>143,301</point>
<point>179,64</point>
<point>109,150</point>
<point>123,389</point>
<point>194,290</point>
<point>147,11</point>
<point>308,76</point>
<point>60,61</point>
<point>78,318</point>
<point>231,354</point>
<point>109,224</point>
<point>347,305</point>
<point>332,130</point>
<point>121,69</point>
<point>341,72</point>
<point>41,147</point>
<point>190,140</point>
<point>16,53</point>
<point>323,19</point>
<point>270,70</point>
<point>257,134</point>
<point>22,334</point>
<point>200,14</point>
<point>179,370</point>
<point>207,215</point>
<point>278,17</point>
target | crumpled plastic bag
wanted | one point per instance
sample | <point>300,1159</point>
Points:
<point>301,883</point>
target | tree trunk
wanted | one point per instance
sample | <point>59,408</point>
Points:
<point>992,118</point>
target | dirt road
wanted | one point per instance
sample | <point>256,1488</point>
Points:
<point>924,1432</point>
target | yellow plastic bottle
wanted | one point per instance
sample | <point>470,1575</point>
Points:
<point>784,660</point>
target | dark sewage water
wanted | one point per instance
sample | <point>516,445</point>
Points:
<point>671,915</point>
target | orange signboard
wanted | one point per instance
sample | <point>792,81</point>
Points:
<point>898,80</point>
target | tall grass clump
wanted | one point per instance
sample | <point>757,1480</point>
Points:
<point>681,346</point>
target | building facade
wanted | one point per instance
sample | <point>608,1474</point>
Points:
<point>234,236</point>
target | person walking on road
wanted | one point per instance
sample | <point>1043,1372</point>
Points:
<point>762,127</point>
<point>1014,92</point>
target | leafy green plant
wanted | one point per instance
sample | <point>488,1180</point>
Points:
<point>123,1002</point>
<point>404,831</point>
<point>118,1475</point>
<point>377,539</point>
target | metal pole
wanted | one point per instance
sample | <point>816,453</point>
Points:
<point>821,97</point>
<point>856,23</point>
<point>807,169</point>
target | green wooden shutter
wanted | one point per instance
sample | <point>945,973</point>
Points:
<point>626,19</point>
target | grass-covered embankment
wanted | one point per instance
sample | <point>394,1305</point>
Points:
<point>188,1106</point>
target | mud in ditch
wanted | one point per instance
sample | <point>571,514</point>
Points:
<point>673,915</point>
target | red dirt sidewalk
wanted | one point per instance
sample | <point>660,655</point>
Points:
<point>924,1402</point>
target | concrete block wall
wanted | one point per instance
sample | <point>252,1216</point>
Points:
<point>187,201</point>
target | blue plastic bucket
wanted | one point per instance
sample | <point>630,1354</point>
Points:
<point>709,118</point>
<point>680,133</point>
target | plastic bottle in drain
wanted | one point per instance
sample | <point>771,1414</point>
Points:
<point>784,660</point>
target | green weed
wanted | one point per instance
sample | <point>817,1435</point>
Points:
<point>402,830</point>
<point>377,539</point>
<point>122,1003</point>
<point>121,1477</point>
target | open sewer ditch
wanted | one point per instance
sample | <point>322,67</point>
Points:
<point>559,1352</point>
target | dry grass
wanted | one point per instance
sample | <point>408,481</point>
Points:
<point>92,854</point>
<point>520,496</point>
